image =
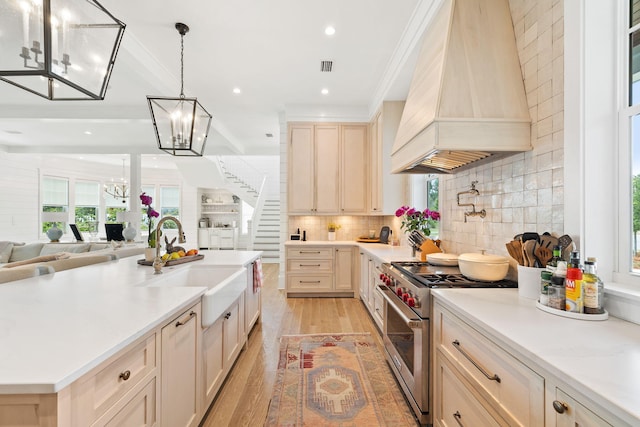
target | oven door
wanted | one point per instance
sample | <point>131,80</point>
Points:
<point>406,342</point>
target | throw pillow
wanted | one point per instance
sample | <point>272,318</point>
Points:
<point>20,253</point>
<point>5,251</point>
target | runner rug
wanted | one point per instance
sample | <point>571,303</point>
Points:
<point>335,380</point>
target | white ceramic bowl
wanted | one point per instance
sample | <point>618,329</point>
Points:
<point>484,268</point>
<point>440,258</point>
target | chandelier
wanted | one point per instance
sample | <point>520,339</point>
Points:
<point>60,50</point>
<point>118,190</point>
<point>181,124</point>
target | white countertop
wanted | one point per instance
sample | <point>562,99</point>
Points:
<point>386,253</point>
<point>600,359</point>
<point>55,328</point>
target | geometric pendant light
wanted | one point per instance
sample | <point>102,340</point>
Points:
<point>61,49</point>
<point>181,124</point>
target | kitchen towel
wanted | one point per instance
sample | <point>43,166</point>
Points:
<point>257,275</point>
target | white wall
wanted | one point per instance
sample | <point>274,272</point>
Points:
<point>19,205</point>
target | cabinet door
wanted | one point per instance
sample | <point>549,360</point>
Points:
<point>327,171</point>
<point>233,333</point>
<point>180,394</point>
<point>373,274</point>
<point>140,411</point>
<point>353,178</point>
<point>203,238</point>
<point>214,239</point>
<point>344,269</point>
<point>570,413</point>
<point>364,277</point>
<point>375,165</point>
<point>213,360</point>
<point>301,169</point>
<point>253,302</point>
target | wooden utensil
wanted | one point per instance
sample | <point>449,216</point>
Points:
<point>544,254</point>
<point>548,241</point>
<point>529,251</point>
<point>513,252</point>
<point>516,246</point>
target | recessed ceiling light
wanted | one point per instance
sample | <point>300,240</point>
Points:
<point>325,91</point>
<point>237,90</point>
<point>87,132</point>
<point>329,30</point>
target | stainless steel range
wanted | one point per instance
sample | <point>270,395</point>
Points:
<point>406,335</point>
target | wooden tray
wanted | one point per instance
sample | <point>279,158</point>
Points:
<point>171,262</point>
<point>368,240</point>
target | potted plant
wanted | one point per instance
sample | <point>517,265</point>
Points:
<point>332,227</point>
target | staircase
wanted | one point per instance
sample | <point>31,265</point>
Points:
<point>267,237</point>
<point>232,169</point>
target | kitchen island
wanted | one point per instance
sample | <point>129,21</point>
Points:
<point>57,328</point>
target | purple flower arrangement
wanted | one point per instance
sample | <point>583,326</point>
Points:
<point>151,213</point>
<point>413,219</point>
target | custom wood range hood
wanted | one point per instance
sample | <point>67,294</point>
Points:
<point>467,102</point>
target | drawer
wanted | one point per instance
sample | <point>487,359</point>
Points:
<point>509,385</point>
<point>309,282</point>
<point>455,404</point>
<point>324,265</point>
<point>99,390</point>
<point>313,252</point>
<point>140,411</point>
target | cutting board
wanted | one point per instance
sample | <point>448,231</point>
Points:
<point>428,247</point>
<point>171,262</point>
<point>367,240</point>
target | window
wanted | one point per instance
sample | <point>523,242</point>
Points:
<point>424,195</point>
<point>631,115</point>
<point>169,205</point>
<point>55,203</point>
<point>113,205</point>
<point>87,205</point>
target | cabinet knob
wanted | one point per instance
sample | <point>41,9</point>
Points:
<point>560,407</point>
<point>458,418</point>
<point>125,375</point>
<point>227,316</point>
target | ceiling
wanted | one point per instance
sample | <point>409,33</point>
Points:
<point>270,50</point>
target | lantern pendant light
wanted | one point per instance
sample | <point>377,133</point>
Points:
<point>181,124</point>
<point>60,50</point>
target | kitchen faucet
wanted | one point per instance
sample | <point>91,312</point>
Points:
<point>157,261</point>
<point>473,212</point>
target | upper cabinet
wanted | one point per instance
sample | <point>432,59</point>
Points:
<point>386,189</point>
<point>327,168</point>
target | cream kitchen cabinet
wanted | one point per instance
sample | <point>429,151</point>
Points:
<point>386,189</point>
<point>327,168</point>
<point>222,342</point>
<point>370,269</point>
<point>501,387</point>
<point>252,302</point>
<point>181,404</point>
<point>322,270</point>
<point>217,238</point>
<point>569,412</point>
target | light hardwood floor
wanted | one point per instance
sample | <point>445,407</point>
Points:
<point>244,398</point>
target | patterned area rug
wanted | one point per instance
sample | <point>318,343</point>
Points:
<point>335,380</point>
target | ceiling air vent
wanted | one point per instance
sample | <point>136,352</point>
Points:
<point>326,66</point>
<point>269,135</point>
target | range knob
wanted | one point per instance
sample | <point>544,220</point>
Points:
<point>382,276</point>
<point>405,296</point>
<point>411,302</point>
<point>399,291</point>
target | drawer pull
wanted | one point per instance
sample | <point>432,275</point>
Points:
<point>457,417</point>
<point>309,252</point>
<point>125,375</point>
<point>495,377</point>
<point>309,281</point>
<point>560,407</point>
<point>309,265</point>
<point>190,316</point>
